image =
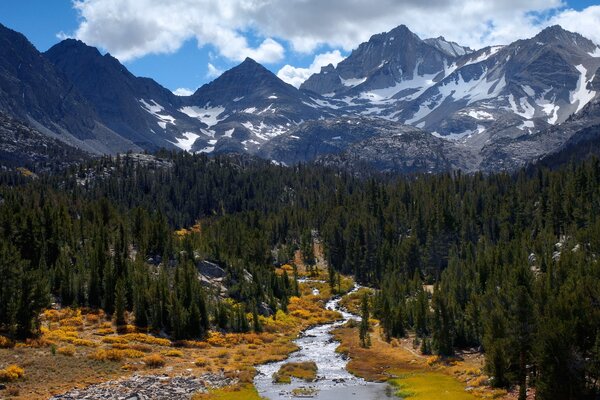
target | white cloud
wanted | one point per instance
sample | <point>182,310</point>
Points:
<point>296,76</point>
<point>133,28</point>
<point>585,22</point>
<point>183,92</point>
<point>213,71</point>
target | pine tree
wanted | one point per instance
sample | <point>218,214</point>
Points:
<point>364,335</point>
<point>120,303</point>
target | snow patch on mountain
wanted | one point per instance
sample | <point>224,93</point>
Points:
<point>595,53</point>
<point>187,141</point>
<point>524,109</point>
<point>581,94</point>
<point>155,109</point>
<point>206,114</point>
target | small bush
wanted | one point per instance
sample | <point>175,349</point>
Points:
<point>201,362</point>
<point>6,343</point>
<point>154,361</point>
<point>11,373</point>
<point>174,353</point>
<point>115,339</point>
<point>92,318</point>
<point>84,342</point>
<point>115,354</point>
<point>105,331</point>
<point>68,351</point>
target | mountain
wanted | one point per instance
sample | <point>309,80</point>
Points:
<point>389,62</point>
<point>23,146</point>
<point>33,90</point>
<point>482,99</point>
<point>315,139</point>
<point>248,105</point>
<point>403,149</point>
<point>138,109</point>
<point>576,138</point>
<point>452,49</point>
<point>396,103</point>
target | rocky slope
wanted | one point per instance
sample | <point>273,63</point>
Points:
<point>23,146</point>
<point>138,109</point>
<point>33,90</point>
<point>248,105</point>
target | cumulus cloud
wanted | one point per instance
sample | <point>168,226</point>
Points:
<point>134,28</point>
<point>183,92</point>
<point>296,76</point>
<point>213,71</point>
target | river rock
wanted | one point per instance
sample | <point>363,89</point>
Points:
<point>149,387</point>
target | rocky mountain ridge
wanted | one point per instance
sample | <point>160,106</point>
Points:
<point>490,109</point>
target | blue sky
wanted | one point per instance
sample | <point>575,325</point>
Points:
<point>175,45</point>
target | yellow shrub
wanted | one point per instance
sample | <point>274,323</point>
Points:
<point>11,373</point>
<point>92,318</point>
<point>174,353</point>
<point>479,381</point>
<point>115,354</point>
<point>433,360</point>
<point>5,343</point>
<point>66,351</point>
<point>154,361</point>
<point>51,315</point>
<point>141,347</point>
<point>130,353</point>
<point>62,335</point>
<point>115,339</point>
<point>201,362</point>
<point>304,314</point>
<point>194,344</point>
<point>105,331</point>
<point>73,321</point>
<point>148,339</point>
<point>216,339</point>
<point>84,342</point>
<point>106,325</point>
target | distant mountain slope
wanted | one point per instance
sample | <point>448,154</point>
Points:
<point>24,146</point>
<point>138,109</point>
<point>33,90</point>
<point>397,103</point>
<point>248,105</point>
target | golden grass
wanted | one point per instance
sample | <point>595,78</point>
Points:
<point>237,392</point>
<point>306,371</point>
<point>430,385</point>
<point>11,373</point>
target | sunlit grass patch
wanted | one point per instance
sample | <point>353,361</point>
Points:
<point>430,386</point>
<point>237,392</point>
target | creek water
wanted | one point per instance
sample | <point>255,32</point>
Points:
<point>333,382</point>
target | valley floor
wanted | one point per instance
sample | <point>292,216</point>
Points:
<point>80,348</point>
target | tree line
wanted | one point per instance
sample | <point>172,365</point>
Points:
<point>506,263</point>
